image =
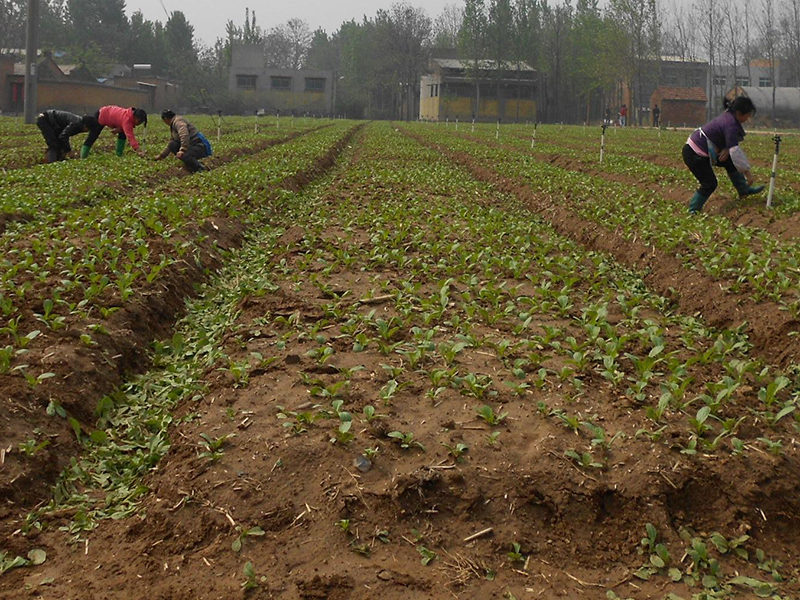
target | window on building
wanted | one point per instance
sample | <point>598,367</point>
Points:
<point>315,84</point>
<point>720,80</point>
<point>697,79</point>
<point>246,81</point>
<point>743,81</point>
<point>281,83</point>
<point>670,79</point>
<point>764,82</point>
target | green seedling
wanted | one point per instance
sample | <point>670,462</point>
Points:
<point>457,451</point>
<point>476,386</point>
<point>344,525</point>
<point>251,582</point>
<point>774,447</point>
<point>30,447</point>
<point>515,554</point>
<point>491,439</point>
<point>428,556</point>
<point>585,460</point>
<point>487,413</point>
<point>370,415</point>
<point>406,440</point>
<point>236,546</point>
<point>213,446</point>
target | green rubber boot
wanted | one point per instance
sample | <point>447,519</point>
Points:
<point>696,204</point>
<point>85,151</point>
<point>120,147</point>
<point>739,181</point>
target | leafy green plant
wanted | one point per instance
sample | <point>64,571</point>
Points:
<point>236,546</point>
<point>428,556</point>
<point>213,447</point>
<point>487,413</point>
<point>406,440</point>
<point>251,581</point>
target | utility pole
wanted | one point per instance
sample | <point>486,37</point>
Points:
<point>31,48</point>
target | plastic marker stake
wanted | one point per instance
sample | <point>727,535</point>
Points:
<point>773,175</point>
<point>603,143</point>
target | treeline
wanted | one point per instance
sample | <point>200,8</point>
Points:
<point>583,52</point>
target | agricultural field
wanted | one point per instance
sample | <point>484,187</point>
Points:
<point>363,360</point>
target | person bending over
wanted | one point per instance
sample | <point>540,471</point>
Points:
<point>121,121</point>
<point>717,144</point>
<point>187,143</point>
<point>57,126</point>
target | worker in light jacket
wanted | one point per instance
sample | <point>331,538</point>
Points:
<point>121,121</point>
<point>57,126</point>
<point>187,143</point>
<point>717,144</point>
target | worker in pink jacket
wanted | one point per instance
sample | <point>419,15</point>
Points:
<point>121,121</point>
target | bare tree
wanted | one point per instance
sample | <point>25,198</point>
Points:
<point>767,27</point>
<point>730,36</point>
<point>790,28</point>
<point>447,26</point>
<point>707,14</point>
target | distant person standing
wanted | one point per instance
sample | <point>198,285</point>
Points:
<point>623,115</point>
<point>656,115</point>
<point>717,144</point>
<point>187,143</point>
<point>608,115</point>
<point>57,126</point>
<point>121,121</point>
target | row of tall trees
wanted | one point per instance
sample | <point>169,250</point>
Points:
<point>582,51</point>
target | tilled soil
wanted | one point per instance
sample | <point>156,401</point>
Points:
<point>334,525</point>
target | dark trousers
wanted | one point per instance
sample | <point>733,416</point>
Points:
<point>700,166</point>
<point>191,156</point>
<point>655,120</point>
<point>51,134</point>
<point>96,129</point>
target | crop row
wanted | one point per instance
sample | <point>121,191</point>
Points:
<point>749,260</point>
<point>407,311</point>
<point>45,191</point>
<point>103,255</point>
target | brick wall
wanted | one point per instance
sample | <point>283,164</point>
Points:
<point>81,97</point>
<point>680,112</point>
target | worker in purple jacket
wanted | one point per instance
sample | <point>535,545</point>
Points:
<point>717,144</point>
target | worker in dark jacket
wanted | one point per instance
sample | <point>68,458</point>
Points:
<point>57,126</point>
<point>187,143</point>
<point>717,144</point>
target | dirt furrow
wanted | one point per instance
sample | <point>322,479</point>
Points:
<point>87,373</point>
<point>770,328</point>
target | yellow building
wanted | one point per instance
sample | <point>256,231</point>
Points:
<point>455,89</point>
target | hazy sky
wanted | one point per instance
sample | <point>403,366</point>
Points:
<point>209,16</point>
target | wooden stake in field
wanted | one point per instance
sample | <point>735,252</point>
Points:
<point>456,123</point>
<point>603,142</point>
<point>773,175</point>
<point>533,139</point>
<point>219,124</point>
<point>473,123</point>
<point>255,122</point>
<point>278,119</point>
<point>497,131</point>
